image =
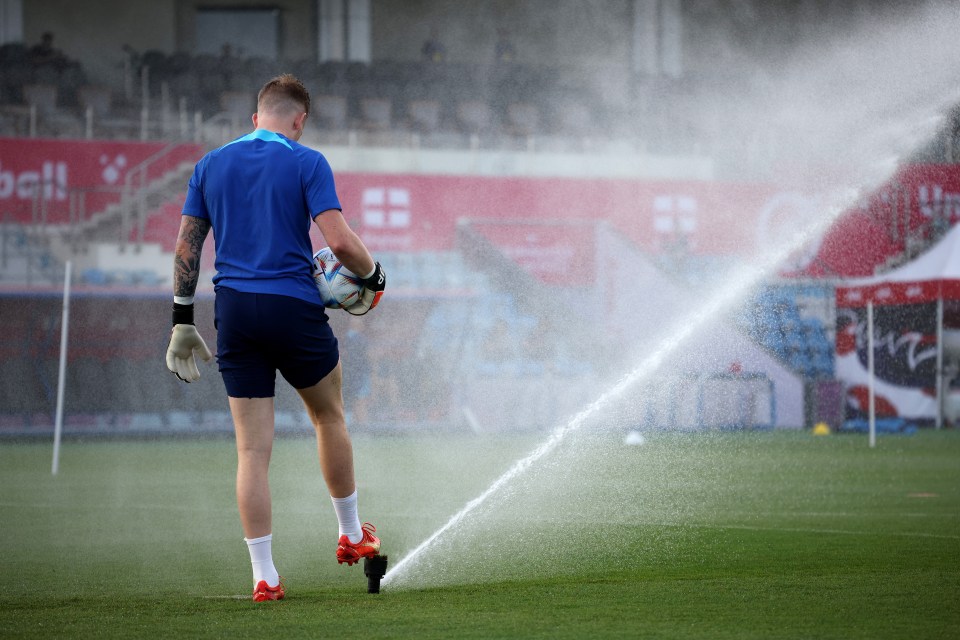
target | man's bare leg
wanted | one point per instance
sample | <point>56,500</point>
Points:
<point>253,422</point>
<point>324,404</point>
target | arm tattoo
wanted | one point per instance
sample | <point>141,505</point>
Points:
<point>186,259</point>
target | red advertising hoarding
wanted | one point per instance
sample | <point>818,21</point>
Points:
<point>406,212</point>
<point>40,177</point>
<point>912,202</point>
<point>416,213</point>
<point>420,212</point>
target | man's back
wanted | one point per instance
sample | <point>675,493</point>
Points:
<point>259,193</point>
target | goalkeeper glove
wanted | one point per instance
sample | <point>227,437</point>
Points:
<point>183,341</point>
<point>371,293</point>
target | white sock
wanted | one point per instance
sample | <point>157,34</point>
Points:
<point>347,517</point>
<point>261,557</point>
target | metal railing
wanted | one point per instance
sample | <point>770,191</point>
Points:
<point>136,189</point>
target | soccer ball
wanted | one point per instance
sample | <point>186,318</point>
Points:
<point>338,286</point>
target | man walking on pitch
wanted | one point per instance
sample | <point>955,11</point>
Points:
<point>258,194</point>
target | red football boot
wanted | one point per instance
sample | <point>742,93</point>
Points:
<point>263,592</point>
<point>368,546</point>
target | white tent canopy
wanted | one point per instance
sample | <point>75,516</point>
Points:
<point>934,273</point>
<point>934,276</point>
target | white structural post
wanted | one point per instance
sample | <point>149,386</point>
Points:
<point>331,30</point>
<point>870,376</point>
<point>940,377</point>
<point>61,379</point>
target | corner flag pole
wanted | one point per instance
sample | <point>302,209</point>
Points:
<point>61,379</point>
<point>873,410</point>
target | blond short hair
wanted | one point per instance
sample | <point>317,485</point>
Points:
<point>284,93</point>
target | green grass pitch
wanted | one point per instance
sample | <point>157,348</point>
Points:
<point>741,535</point>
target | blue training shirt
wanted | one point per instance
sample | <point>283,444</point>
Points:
<point>260,194</point>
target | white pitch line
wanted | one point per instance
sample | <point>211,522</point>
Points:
<point>114,507</point>
<point>747,527</point>
<point>839,514</point>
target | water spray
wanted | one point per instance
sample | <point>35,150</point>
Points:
<point>865,159</point>
<point>687,327</point>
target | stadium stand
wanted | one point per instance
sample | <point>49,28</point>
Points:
<point>795,333</point>
<point>452,312</point>
<point>400,96</point>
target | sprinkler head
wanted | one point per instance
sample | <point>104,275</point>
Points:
<point>374,568</point>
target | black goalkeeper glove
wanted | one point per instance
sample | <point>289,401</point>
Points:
<point>371,293</point>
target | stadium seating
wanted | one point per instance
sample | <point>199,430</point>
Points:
<point>97,98</point>
<point>523,119</point>
<point>424,115</point>
<point>389,95</point>
<point>475,117</point>
<point>331,111</point>
<point>458,99</point>
<point>774,320</point>
<point>43,96</point>
<point>376,113</point>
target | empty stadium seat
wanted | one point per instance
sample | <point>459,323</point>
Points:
<point>574,118</point>
<point>376,113</point>
<point>331,111</point>
<point>523,118</point>
<point>41,96</point>
<point>424,115</point>
<point>96,98</point>
<point>474,116</point>
<point>240,104</point>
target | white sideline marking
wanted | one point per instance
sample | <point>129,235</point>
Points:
<point>143,507</point>
<point>841,514</point>
<point>226,597</point>
<point>747,527</point>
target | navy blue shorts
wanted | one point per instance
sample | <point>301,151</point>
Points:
<point>259,334</point>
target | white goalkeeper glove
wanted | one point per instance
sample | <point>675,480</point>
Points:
<point>373,286</point>
<point>184,340</point>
